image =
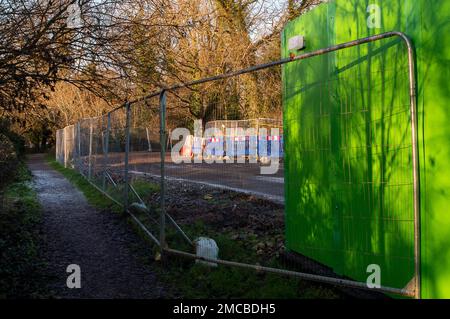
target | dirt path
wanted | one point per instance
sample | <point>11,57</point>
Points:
<point>110,255</point>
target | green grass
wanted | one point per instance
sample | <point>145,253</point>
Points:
<point>21,266</point>
<point>144,188</point>
<point>194,280</point>
<point>93,195</point>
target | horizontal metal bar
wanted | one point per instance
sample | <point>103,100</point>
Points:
<point>305,276</point>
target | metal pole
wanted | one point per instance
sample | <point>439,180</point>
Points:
<point>162,133</point>
<point>305,276</point>
<point>127,152</point>
<point>65,147</point>
<point>148,140</point>
<point>106,149</point>
<point>142,226</point>
<point>58,140</point>
<point>72,146</point>
<point>415,157</point>
<point>90,149</point>
<point>78,146</point>
<point>178,228</point>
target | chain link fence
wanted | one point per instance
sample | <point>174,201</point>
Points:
<point>220,184</point>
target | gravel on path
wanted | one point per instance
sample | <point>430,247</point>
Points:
<point>114,261</point>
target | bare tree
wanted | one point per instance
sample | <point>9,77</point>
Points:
<point>120,49</point>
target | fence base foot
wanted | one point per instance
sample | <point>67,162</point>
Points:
<point>161,258</point>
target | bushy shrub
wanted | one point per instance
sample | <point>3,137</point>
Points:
<point>8,159</point>
<point>17,140</point>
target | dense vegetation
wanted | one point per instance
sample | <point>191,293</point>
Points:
<point>12,149</point>
<point>20,239</point>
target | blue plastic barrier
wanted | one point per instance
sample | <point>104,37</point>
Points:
<point>265,144</point>
<point>252,146</point>
<point>241,145</point>
<point>230,146</point>
<point>214,146</point>
<point>197,147</point>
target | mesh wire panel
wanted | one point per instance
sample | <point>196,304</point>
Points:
<point>84,142</point>
<point>349,186</point>
<point>145,162</point>
<point>77,155</point>
<point>97,151</point>
<point>60,146</point>
<point>145,147</point>
<point>225,193</point>
<point>115,160</point>
<point>349,191</point>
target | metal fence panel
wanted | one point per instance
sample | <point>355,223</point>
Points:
<point>60,146</point>
<point>227,181</point>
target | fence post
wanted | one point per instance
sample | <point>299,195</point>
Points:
<point>106,149</point>
<point>78,139</point>
<point>257,139</point>
<point>148,139</point>
<point>91,129</point>
<point>162,134</point>
<point>127,152</point>
<point>57,146</point>
<point>65,147</point>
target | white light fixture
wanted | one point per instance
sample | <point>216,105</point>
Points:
<point>296,43</point>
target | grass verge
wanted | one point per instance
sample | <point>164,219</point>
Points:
<point>20,217</point>
<point>93,195</point>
